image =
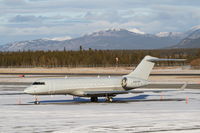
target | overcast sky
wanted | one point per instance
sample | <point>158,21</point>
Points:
<point>32,19</point>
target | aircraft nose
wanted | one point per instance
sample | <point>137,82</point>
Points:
<point>29,90</point>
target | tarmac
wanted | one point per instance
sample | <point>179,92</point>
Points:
<point>169,112</point>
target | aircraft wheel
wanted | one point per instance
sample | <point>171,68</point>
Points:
<point>94,99</point>
<point>109,99</point>
<point>36,102</point>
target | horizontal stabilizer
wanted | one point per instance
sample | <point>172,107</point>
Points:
<point>157,60</point>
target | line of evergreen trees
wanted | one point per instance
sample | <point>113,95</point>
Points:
<point>89,57</point>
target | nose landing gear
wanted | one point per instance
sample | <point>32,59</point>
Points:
<point>36,100</point>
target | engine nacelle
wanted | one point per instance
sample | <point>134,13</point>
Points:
<point>131,83</point>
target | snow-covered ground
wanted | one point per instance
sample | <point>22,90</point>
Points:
<point>17,114</point>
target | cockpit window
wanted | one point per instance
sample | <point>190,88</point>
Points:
<point>38,83</point>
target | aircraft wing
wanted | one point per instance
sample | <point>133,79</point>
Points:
<point>104,93</point>
<point>153,90</point>
<point>114,93</point>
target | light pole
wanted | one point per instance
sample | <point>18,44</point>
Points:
<point>116,61</point>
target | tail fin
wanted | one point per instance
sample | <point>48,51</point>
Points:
<point>144,68</point>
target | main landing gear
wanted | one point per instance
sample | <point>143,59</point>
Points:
<point>94,99</point>
<point>109,99</point>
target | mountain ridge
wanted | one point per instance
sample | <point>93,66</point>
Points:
<point>107,39</point>
<point>191,41</point>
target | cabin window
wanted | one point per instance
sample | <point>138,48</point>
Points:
<point>38,83</point>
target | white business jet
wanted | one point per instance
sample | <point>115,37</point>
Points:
<point>95,87</point>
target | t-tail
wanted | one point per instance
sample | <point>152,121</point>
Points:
<point>144,68</point>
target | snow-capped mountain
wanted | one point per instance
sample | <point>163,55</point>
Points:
<point>135,30</point>
<point>194,28</point>
<point>39,44</point>
<point>171,34</point>
<point>192,40</point>
<point>107,39</point>
<point>59,38</point>
<point>194,35</point>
